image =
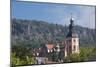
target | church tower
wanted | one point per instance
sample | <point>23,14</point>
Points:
<point>72,40</point>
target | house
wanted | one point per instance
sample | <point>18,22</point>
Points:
<point>41,60</point>
<point>50,47</point>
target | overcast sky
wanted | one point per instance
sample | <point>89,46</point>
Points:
<point>55,13</point>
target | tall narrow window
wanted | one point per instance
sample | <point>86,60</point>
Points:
<point>74,47</point>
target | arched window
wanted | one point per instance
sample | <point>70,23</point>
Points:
<point>74,47</point>
<point>74,40</point>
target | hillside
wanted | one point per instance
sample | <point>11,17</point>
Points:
<point>34,33</point>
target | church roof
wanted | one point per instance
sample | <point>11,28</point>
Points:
<point>50,46</point>
<point>72,33</point>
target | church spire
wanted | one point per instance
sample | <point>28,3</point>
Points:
<point>71,19</point>
<point>71,32</point>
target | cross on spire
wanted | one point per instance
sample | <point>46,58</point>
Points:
<point>71,32</point>
<point>71,19</point>
<point>71,15</point>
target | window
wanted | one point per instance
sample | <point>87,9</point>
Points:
<point>70,48</point>
<point>74,48</point>
<point>74,40</point>
<point>51,51</point>
<point>69,40</point>
<point>48,50</point>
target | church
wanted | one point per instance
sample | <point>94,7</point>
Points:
<point>69,45</point>
<point>72,41</point>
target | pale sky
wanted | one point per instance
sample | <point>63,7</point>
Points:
<point>55,13</point>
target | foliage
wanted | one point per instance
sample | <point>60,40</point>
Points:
<point>86,54</point>
<point>37,32</point>
<point>17,61</point>
<point>29,34</point>
<point>21,56</point>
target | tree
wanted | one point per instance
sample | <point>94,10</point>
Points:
<point>86,54</point>
<point>72,58</point>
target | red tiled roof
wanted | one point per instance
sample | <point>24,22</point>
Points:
<point>49,46</point>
